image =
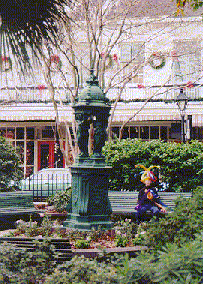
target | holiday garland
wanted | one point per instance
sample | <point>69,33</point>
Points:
<point>157,60</point>
<point>55,63</point>
<point>110,60</point>
<point>5,64</point>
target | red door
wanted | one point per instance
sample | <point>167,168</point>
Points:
<point>48,157</point>
<point>45,154</point>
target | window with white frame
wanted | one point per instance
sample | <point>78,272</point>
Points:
<point>132,61</point>
<point>188,56</point>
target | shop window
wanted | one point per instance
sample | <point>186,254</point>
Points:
<point>115,132</point>
<point>29,171</point>
<point>189,58</point>
<point>30,133</point>
<point>3,132</point>
<point>133,54</point>
<point>72,135</point>
<point>195,133</point>
<point>200,133</point>
<point>20,133</point>
<point>175,131</point>
<point>144,132</point>
<point>125,134</point>
<point>10,133</point>
<point>163,133</point>
<point>134,132</point>
<point>48,132</point>
<point>20,150</point>
<point>30,153</point>
<point>154,132</point>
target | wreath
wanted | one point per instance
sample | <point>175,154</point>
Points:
<point>157,60</point>
<point>110,60</point>
<point>55,63</point>
<point>5,64</point>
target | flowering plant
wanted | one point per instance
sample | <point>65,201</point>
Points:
<point>189,84</point>
<point>110,59</point>
<point>55,63</point>
<point>5,64</point>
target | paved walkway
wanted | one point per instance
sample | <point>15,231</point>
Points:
<point>2,233</point>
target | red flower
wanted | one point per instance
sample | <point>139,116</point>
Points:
<point>189,84</point>
<point>140,86</point>
<point>115,57</point>
<point>173,53</point>
<point>55,58</point>
<point>4,58</point>
<point>41,87</point>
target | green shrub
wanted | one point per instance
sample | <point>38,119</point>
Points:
<point>124,232</point>
<point>60,200</point>
<point>10,171</point>
<point>181,164</point>
<point>83,270</point>
<point>24,266</point>
<point>138,240</point>
<point>121,241</point>
<point>82,244</point>
<point>172,264</point>
<point>180,226</point>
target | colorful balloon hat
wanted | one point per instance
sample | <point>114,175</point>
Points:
<point>147,174</point>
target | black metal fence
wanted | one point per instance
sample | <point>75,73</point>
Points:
<point>42,187</point>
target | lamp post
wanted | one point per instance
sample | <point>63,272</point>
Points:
<point>182,101</point>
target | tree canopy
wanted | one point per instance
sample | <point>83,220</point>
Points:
<point>10,171</point>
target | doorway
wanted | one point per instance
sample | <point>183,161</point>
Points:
<point>49,155</point>
<point>45,154</point>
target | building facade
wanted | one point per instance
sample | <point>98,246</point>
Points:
<point>162,54</point>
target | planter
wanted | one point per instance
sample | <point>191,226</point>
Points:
<point>63,247</point>
<point>54,215</point>
<point>93,253</point>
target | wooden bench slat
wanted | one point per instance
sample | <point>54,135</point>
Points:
<point>125,202</point>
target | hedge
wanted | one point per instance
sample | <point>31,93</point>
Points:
<point>10,170</point>
<point>181,164</point>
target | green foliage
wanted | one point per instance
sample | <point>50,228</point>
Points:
<point>172,264</point>
<point>124,232</point>
<point>121,240</point>
<point>181,164</point>
<point>60,200</point>
<point>138,240</point>
<point>82,244</point>
<point>47,228</point>
<point>10,171</point>
<point>83,270</point>
<point>180,226</point>
<point>24,266</point>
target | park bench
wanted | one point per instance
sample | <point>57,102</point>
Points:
<point>123,202</point>
<point>62,247</point>
<point>14,206</point>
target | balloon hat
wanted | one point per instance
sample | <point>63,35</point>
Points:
<point>147,174</point>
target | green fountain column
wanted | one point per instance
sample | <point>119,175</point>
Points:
<point>90,203</point>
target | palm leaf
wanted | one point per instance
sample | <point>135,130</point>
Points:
<point>26,23</point>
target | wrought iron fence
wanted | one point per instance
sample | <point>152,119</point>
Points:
<point>42,187</point>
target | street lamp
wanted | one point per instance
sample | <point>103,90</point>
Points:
<point>182,101</point>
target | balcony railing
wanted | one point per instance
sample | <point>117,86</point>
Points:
<point>35,94</point>
<point>32,94</point>
<point>155,93</point>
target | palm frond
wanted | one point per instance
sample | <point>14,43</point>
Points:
<point>26,23</point>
